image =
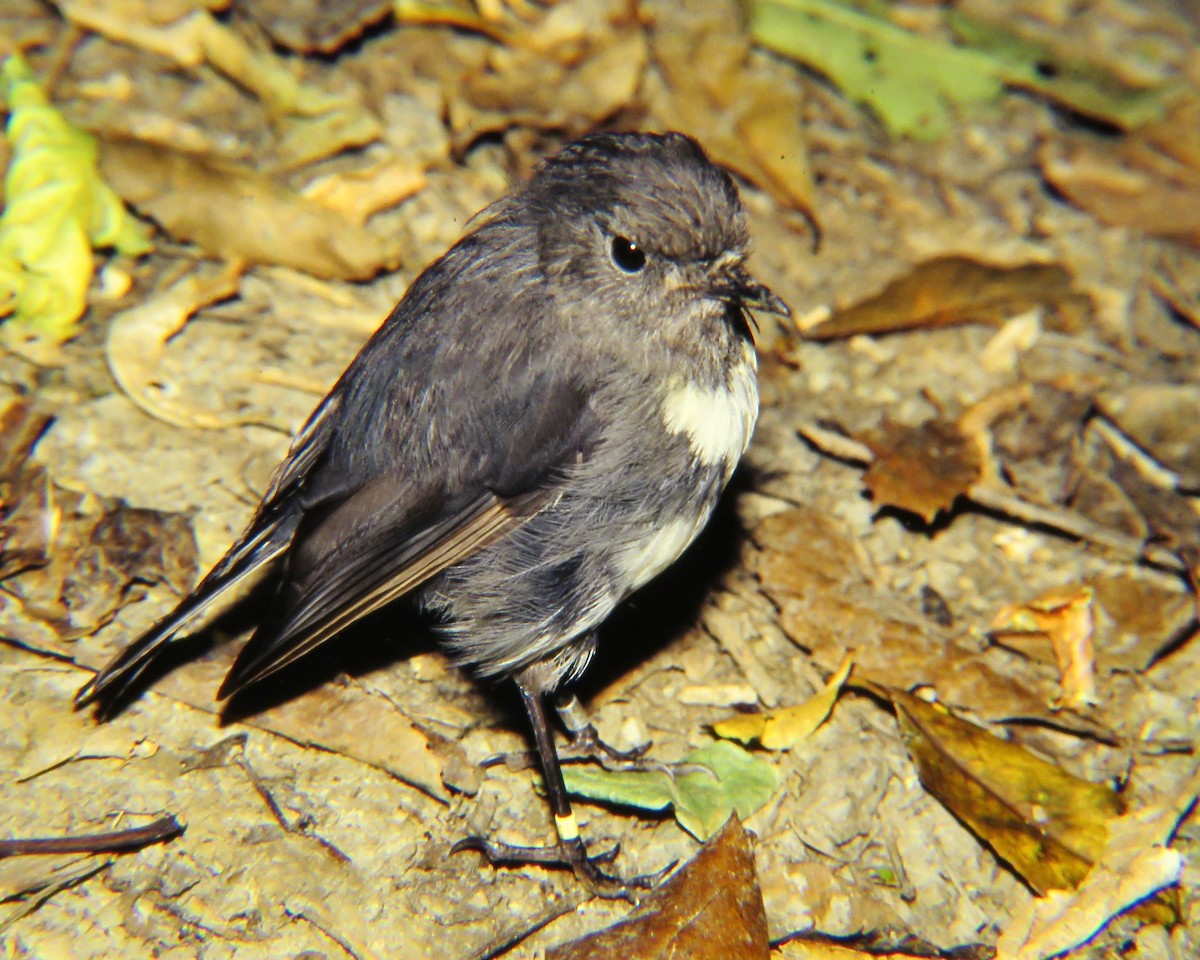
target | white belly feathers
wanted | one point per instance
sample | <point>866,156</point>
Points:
<point>717,423</point>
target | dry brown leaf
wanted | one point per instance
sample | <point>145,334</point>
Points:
<point>55,874</point>
<point>189,34</point>
<point>1141,181</point>
<point>21,423</point>
<point>67,558</point>
<point>1046,824</point>
<point>1064,618</point>
<point>28,514</point>
<point>577,65</point>
<point>97,556</point>
<point>20,876</point>
<point>747,111</point>
<point>1033,439</point>
<point>1136,620</point>
<point>316,26</point>
<point>784,728</point>
<point>954,289</point>
<point>712,909</point>
<point>138,339</point>
<point>923,469</point>
<point>1175,277</point>
<point>810,569</point>
<point>1177,134</point>
<point>360,194</point>
<point>28,521</point>
<point>236,213</point>
<point>1133,187</point>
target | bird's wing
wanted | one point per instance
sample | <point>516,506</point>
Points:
<point>446,431</point>
<point>365,577</point>
<point>394,533</point>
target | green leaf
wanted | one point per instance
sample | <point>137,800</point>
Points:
<point>735,780</point>
<point>908,81</point>
<point>913,83</point>
<point>1084,87</point>
<point>57,209</point>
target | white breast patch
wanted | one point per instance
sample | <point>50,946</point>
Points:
<point>717,422</point>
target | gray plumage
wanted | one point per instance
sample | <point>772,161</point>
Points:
<point>543,423</point>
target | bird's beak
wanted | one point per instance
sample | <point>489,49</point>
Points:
<point>735,285</point>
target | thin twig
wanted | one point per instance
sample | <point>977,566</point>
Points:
<point>1071,523</point>
<point>112,842</point>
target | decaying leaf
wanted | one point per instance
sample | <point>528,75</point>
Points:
<point>21,423</point>
<point>1134,865</point>
<point>317,26</point>
<point>1148,180</point>
<point>1034,438</point>
<point>1049,826</point>
<point>953,289</point>
<point>813,572</point>
<point>1170,517</point>
<point>712,909</point>
<point>28,521</point>
<point>576,65</point>
<point>57,209</point>
<point>68,559</point>
<point>28,514</point>
<point>1176,278</point>
<point>43,880</point>
<point>97,555</point>
<point>361,193</point>
<point>734,781</point>
<point>1078,82</point>
<point>923,469</point>
<point>784,728</point>
<point>747,112</point>
<point>138,338</point>
<point>236,213</point>
<point>1064,619</point>
<point>818,947</point>
<point>1136,620</point>
<point>316,123</point>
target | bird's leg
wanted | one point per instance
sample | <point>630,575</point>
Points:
<point>570,850</point>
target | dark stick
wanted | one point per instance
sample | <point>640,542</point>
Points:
<point>114,842</point>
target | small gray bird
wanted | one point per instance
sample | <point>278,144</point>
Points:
<point>542,425</point>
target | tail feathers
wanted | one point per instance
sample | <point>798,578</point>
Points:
<point>257,548</point>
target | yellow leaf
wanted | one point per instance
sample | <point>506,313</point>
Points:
<point>784,728</point>
<point>57,209</point>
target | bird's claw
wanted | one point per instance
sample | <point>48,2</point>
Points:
<point>570,855</point>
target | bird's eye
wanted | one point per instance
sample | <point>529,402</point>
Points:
<point>627,255</point>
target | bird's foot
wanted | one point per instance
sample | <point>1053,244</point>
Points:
<point>585,744</point>
<point>567,854</point>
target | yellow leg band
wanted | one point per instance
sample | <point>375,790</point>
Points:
<point>567,828</point>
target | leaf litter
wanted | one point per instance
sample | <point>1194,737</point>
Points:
<point>1033,379</point>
